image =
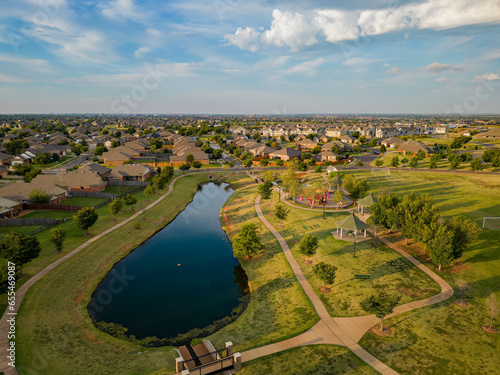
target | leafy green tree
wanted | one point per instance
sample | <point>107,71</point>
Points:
<point>99,150</point>
<point>433,164</point>
<point>217,153</point>
<point>184,167</point>
<point>281,163</point>
<point>197,164</point>
<point>476,165</point>
<point>359,163</point>
<point>38,196</point>
<point>395,161</point>
<point>57,236</point>
<point>440,247</point>
<point>247,163</point>
<point>420,155</point>
<point>150,190</point>
<point>114,207</point>
<point>382,148</point>
<point>460,141</point>
<point>356,188</point>
<point>495,162</point>
<point>317,149</point>
<point>85,218</point>
<point>465,157</point>
<point>15,146</point>
<point>190,159</point>
<point>490,154</point>
<point>19,248</point>
<point>247,242</point>
<point>55,156</point>
<point>265,190</point>
<point>308,245</point>
<point>270,176</point>
<point>338,197</point>
<point>382,212</point>
<point>325,272</point>
<point>264,162</point>
<point>414,162</point>
<point>115,143</point>
<point>464,232</point>
<point>379,162</point>
<point>404,161</point>
<point>130,200</point>
<point>281,211</point>
<point>318,169</point>
<point>381,304</point>
<point>4,278</point>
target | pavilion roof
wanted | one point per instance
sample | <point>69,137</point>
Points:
<point>352,222</point>
<point>368,200</point>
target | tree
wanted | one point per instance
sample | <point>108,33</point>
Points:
<point>420,155</point>
<point>57,236</point>
<point>464,231</point>
<point>476,165</point>
<point>490,154</point>
<point>379,162</point>
<point>441,247</point>
<point>291,182</point>
<point>265,190</point>
<point>495,162</point>
<point>359,163</point>
<point>217,153</point>
<point>318,169</point>
<point>19,248</point>
<point>317,149</point>
<point>433,164</point>
<point>270,176</point>
<point>150,190</point>
<point>356,188</point>
<point>382,212</point>
<point>130,200</point>
<point>115,143</point>
<point>281,163</point>
<point>85,218</point>
<point>99,150</point>
<point>247,243</point>
<point>308,244</point>
<point>38,196</point>
<point>414,162</point>
<point>159,182</point>
<point>264,162</point>
<point>197,164</point>
<point>325,272</point>
<point>338,197</point>
<point>395,161</point>
<point>466,157</point>
<point>114,207</point>
<point>281,211</point>
<point>248,163</point>
<point>404,161</point>
<point>55,156</point>
<point>190,159</point>
<point>184,167</point>
<point>381,304</point>
<point>15,146</point>
<point>492,307</point>
<point>382,148</point>
<point>462,288</point>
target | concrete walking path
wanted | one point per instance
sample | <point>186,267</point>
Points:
<point>339,331</point>
<point>21,292</point>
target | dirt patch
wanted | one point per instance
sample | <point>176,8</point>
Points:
<point>325,290</point>
<point>458,268</point>
<point>307,262</point>
<point>386,332</point>
<point>91,338</point>
<point>79,296</point>
<point>125,247</point>
<point>414,249</point>
<point>492,330</point>
<point>462,303</point>
<point>408,292</point>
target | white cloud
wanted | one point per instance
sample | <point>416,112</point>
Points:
<point>37,65</point>
<point>11,79</point>
<point>141,52</point>
<point>307,67</point>
<point>247,38</point>
<point>122,9</point>
<point>360,61</point>
<point>487,77</point>
<point>394,71</point>
<point>90,46</point>
<point>376,22</point>
<point>337,25</point>
<point>289,30</point>
<point>152,38</point>
<point>444,79</point>
<point>436,67</point>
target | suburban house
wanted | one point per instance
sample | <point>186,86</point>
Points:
<point>9,207</point>
<point>490,134</point>
<point>262,150</point>
<point>20,191</point>
<point>79,180</point>
<point>306,144</point>
<point>25,158</point>
<point>326,155</point>
<point>412,147</point>
<point>6,159</point>
<point>339,144</point>
<point>347,139</point>
<point>392,142</point>
<point>130,172</point>
<point>97,168</point>
<point>441,129</point>
<point>286,154</point>
<point>119,155</point>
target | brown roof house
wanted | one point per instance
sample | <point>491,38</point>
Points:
<point>326,155</point>
<point>412,147</point>
<point>119,155</point>
<point>98,168</point>
<point>20,191</point>
<point>79,180</point>
<point>131,172</point>
<point>286,154</point>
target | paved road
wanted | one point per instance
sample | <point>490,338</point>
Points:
<point>78,161</point>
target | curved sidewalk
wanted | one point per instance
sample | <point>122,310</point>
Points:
<point>339,331</point>
<point>21,292</point>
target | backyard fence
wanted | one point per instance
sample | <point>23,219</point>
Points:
<point>28,222</point>
<point>126,183</point>
<point>50,207</point>
<point>88,194</point>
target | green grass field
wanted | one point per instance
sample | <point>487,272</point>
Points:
<point>446,338</point>
<point>387,269</point>
<point>83,202</point>
<point>117,190</point>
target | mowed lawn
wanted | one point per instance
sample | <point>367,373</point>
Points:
<point>278,307</point>
<point>55,334</point>
<point>388,270</point>
<point>446,338</point>
<point>309,360</point>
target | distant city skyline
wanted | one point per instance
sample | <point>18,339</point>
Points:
<point>231,57</point>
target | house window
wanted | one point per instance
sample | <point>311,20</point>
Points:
<point>82,187</point>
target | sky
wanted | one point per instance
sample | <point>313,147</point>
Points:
<point>250,57</point>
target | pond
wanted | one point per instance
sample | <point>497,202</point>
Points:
<point>183,277</point>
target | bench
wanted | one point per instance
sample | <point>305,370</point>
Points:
<point>362,277</point>
<point>304,226</point>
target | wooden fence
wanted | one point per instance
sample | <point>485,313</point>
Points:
<point>50,207</point>
<point>28,222</point>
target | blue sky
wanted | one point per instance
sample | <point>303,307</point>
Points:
<point>235,56</point>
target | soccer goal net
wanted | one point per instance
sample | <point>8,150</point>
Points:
<point>381,171</point>
<point>491,222</point>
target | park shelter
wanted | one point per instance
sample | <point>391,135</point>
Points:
<point>351,223</point>
<point>366,202</point>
